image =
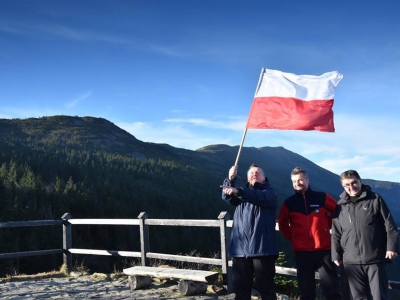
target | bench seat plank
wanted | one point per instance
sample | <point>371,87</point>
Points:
<point>195,275</point>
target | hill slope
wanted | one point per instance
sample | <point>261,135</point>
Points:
<point>93,169</point>
<point>35,137</point>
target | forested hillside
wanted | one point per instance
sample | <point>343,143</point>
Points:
<point>90,168</point>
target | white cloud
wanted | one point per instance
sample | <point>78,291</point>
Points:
<point>173,134</point>
<point>358,142</point>
<point>60,31</point>
<point>231,123</point>
<point>369,167</point>
<point>338,164</point>
<point>177,111</point>
<point>80,98</point>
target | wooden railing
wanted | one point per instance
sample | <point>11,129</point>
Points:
<point>30,224</point>
<point>223,223</point>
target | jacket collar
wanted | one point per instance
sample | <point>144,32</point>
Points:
<point>258,185</point>
<point>309,190</point>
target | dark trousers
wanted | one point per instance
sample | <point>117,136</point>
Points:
<point>308,262</point>
<point>368,281</point>
<point>263,268</point>
<point>344,284</point>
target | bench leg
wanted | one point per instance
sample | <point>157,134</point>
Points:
<point>191,288</point>
<point>138,282</point>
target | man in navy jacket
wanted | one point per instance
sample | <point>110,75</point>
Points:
<point>253,245</point>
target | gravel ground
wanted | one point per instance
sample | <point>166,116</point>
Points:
<point>102,286</point>
<point>96,287</point>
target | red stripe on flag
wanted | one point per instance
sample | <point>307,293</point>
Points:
<point>291,114</point>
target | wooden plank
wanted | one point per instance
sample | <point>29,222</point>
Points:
<point>195,275</point>
<point>104,221</point>
<point>30,223</point>
<point>104,252</point>
<point>184,258</point>
<point>144,238</point>
<point>290,272</point>
<point>67,240</point>
<point>180,222</point>
<point>286,271</point>
<point>31,253</point>
<point>394,285</point>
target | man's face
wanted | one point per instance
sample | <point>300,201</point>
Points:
<point>300,183</point>
<point>255,175</point>
<point>352,186</point>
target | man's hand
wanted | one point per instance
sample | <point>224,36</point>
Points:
<point>338,262</point>
<point>229,190</point>
<point>232,172</point>
<point>391,254</point>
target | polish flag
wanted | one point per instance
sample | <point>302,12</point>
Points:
<point>294,102</point>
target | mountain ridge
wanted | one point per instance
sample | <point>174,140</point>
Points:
<point>91,168</point>
<point>99,134</point>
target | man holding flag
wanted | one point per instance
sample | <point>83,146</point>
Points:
<point>282,101</point>
<point>253,245</point>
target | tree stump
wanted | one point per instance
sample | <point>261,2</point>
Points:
<point>191,288</point>
<point>138,282</point>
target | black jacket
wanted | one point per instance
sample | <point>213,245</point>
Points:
<point>363,231</point>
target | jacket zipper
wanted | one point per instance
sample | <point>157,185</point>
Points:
<point>348,210</point>
<point>308,221</point>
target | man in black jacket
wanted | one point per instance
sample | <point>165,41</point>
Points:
<point>364,237</point>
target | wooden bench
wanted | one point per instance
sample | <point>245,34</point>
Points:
<point>192,282</point>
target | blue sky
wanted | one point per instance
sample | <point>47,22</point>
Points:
<point>185,72</point>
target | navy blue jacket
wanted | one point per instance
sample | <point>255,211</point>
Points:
<point>253,232</point>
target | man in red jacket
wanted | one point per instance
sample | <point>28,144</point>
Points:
<point>305,219</point>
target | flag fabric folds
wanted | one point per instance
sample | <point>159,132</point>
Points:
<point>294,102</point>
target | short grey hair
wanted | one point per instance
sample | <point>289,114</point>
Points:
<point>253,165</point>
<point>299,170</point>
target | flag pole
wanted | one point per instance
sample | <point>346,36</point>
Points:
<point>240,147</point>
<point>245,129</point>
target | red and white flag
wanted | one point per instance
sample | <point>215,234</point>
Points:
<point>294,102</point>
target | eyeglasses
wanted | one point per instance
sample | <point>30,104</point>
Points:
<point>353,183</point>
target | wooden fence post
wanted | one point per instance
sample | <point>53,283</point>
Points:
<point>67,241</point>
<point>225,234</point>
<point>144,238</point>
